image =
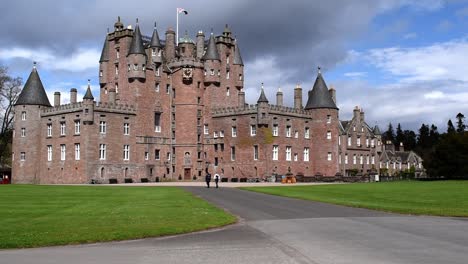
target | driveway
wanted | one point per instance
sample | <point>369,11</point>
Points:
<point>281,230</point>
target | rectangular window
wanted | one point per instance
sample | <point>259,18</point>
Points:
<point>295,156</point>
<point>288,153</point>
<point>234,131</point>
<point>296,134</point>
<point>49,130</point>
<point>349,141</point>
<point>168,88</point>
<point>367,142</point>
<point>372,160</point>
<point>328,119</point>
<point>62,128</point>
<point>372,143</point>
<point>153,52</point>
<point>361,160</point>
<point>253,130</point>
<point>215,134</point>
<point>117,53</point>
<point>329,135</point>
<point>77,127</point>
<point>221,133</point>
<point>168,156</point>
<point>102,151</point>
<point>212,72</point>
<point>358,141</point>
<point>307,133</point>
<point>126,152</point>
<point>126,129</point>
<point>206,131</point>
<point>367,160</point>
<point>23,132</point>
<point>157,122</point>
<point>306,154</point>
<point>102,127</point>
<point>346,159</point>
<point>49,153</point>
<point>157,154</point>
<point>23,156</point>
<point>156,87</point>
<point>63,152</point>
<point>116,70</point>
<point>23,115</point>
<point>288,131</point>
<point>146,155</point>
<point>227,74</point>
<point>354,159</point>
<point>227,91</point>
<point>240,76</point>
<point>77,151</point>
<point>255,152</point>
<point>329,156</point>
<point>233,153</point>
<point>275,130</point>
<point>275,152</point>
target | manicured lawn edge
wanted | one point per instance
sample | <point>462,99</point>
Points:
<point>22,227</point>
<point>448,198</point>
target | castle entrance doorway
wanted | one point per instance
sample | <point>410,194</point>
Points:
<point>187,173</point>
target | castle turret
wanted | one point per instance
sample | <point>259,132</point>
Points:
<point>169,49</point>
<point>262,108</point>
<point>186,46</point>
<point>104,63</point>
<point>238,67</point>
<point>279,97</point>
<point>118,26</point>
<point>136,57</point>
<point>324,129</point>
<point>200,44</point>
<point>88,106</point>
<point>156,47</point>
<point>212,62</point>
<point>27,154</point>
<point>298,97</point>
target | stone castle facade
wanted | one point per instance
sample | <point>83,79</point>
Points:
<point>172,111</point>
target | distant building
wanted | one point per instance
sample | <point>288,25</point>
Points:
<point>171,112</point>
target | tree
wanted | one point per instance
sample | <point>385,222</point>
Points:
<point>409,139</point>
<point>423,137</point>
<point>389,135</point>
<point>460,123</point>
<point>450,127</point>
<point>400,137</point>
<point>433,136</point>
<point>9,90</point>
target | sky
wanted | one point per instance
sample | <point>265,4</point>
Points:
<point>401,61</point>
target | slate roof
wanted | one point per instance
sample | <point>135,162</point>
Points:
<point>319,97</point>
<point>88,94</point>
<point>377,130</point>
<point>33,92</point>
<point>136,46</point>
<point>237,56</point>
<point>262,98</point>
<point>155,42</point>
<point>105,52</point>
<point>212,50</point>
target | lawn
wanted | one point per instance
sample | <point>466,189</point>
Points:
<point>442,198</point>
<point>32,216</point>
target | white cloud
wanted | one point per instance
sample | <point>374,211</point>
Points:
<point>81,60</point>
<point>355,74</point>
<point>440,61</point>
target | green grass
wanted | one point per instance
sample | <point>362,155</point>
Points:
<point>32,216</point>
<point>442,198</point>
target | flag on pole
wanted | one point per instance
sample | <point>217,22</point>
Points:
<point>181,10</point>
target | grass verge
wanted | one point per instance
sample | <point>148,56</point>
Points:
<point>33,216</point>
<point>441,198</point>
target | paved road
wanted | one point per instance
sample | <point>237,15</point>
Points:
<point>281,230</point>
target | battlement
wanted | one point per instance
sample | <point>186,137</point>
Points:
<point>252,109</point>
<point>99,106</point>
<point>115,108</point>
<point>183,62</point>
<point>62,109</point>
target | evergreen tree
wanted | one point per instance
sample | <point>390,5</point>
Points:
<point>400,137</point>
<point>450,127</point>
<point>409,139</point>
<point>460,123</point>
<point>433,136</point>
<point>423,137</point>
<point>389,135</point>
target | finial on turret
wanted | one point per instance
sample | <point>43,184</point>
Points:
<point>298,85</point>
<point>34,64</point>
<point>262,86</point>
<point>154,24</point>
<point>211,31</point>
<point>279,89</point>
<point>89,82</point>
<point>118,18</point>
<point>107,30</point>
<point>137,20</point>
<point>319,70</point>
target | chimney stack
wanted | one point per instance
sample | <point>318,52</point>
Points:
<point>332,92</point>
<point>57,99</point>
<point>279,97</point>
<point>73,92</point>
<point>298,97</point>
<point>402,148</point>
<point>362,115</point>
<point>356,112</point>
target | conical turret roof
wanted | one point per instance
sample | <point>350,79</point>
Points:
<point>319,97</point>
<point>237,56</point>
<point>105,52</point>
<point>262,98</point>
<point>33,92</point>
<point>212,51</point>
<point>155,42</point>
<point>377,130</point>
<point>88,95</point>
<point>136,46</point>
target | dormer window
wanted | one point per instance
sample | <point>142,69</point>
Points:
<point>153,52</point>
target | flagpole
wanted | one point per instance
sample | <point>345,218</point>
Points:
<point>177,28</point>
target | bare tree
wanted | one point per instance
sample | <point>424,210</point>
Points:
<point>9,90</point>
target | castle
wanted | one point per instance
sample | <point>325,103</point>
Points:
<point>172,111</point>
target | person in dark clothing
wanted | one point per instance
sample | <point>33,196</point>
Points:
<point>208,179</point>
<point>216,178</point>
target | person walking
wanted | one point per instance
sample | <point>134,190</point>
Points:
<point>208,179</point>
<point>216,178</point>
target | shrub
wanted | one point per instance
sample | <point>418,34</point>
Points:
<point>128,180</point>
<point>113,181</point>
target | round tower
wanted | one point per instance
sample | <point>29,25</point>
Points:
<point>169,49</point>
<point>136,57</point>
<point>212,63</point>
<point>88,106</point>
<point>27,154</point>
<point>156,47</point>
<point>324,129</point>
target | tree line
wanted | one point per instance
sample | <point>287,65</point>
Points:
<point>444,154</point>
